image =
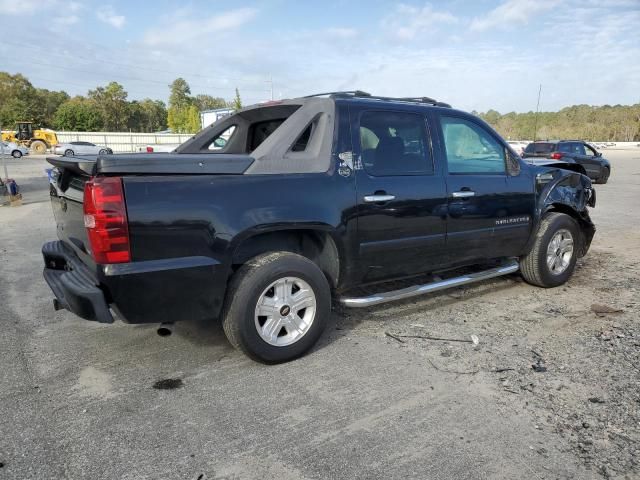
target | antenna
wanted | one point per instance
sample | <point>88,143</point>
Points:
<point>535,123</point>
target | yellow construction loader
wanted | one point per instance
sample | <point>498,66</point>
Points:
<point>38,140</point>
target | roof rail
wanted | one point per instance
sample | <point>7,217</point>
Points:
<point>350,93</point>
<point>361,94</point>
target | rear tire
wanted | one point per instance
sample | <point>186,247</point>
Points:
<point>16,154</point>
<point>102,151</point>
<point>276,307</point>
<point>68,153</point>
<point>552,259</point>
<point>39,147</point>
<point>604,178</point>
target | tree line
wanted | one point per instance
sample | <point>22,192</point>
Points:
<point>617,123</point>
<point>106,108</point>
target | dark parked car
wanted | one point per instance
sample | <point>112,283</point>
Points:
<point>572,151</point>
<point>308,198</point>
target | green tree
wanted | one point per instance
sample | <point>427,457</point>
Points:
<point>79,114</point>
<point>17,99</point>
<point>147,115</point>
<point>236,104</point>
<point>193,123</point>
<point>180,102</point>
<point>112,102</point>
<point>47,102</point>
<point>207,102</point>
<point>179,95</point>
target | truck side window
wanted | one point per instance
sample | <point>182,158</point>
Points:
<point>220,141</point>
<point>470,148</point>
<point>394,143</point>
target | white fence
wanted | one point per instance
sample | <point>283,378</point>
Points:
<point>130,142</point>
<point>123,142</point>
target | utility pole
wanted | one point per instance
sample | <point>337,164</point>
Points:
<point>535,123</point>
<point>270,82</point>
<point>4,160</point>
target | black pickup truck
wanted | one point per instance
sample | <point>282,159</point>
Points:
<point>265,215</point>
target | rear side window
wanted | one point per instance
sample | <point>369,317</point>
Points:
<point>540,147</point>
<point>470,148</point>
<point>303,140</point>
<point>220,141</point>
<point>564,147</point>
<point>260,131</point>
<point>394,143</point>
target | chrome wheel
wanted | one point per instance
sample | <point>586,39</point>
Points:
<point>285,311</point>
<point>560,251</point>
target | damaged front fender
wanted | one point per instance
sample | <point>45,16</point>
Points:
<point>562,190</point>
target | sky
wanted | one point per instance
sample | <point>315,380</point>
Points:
<point>476,55</point>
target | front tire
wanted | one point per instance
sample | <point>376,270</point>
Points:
<point>39,147</point>
<point>68,153</point>
<point>604,178</point>
<point>552,259</point>
<point>277,306</point>
<point>102,151</point>
<point>16,154</point>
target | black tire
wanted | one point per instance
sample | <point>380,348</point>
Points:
<point>39,147</point>
<point>246,288</point>
<point>604,178</point>
<point>102,151</point>
<point>16,154</point>
<point>68,153</point>
<point>534,267</point>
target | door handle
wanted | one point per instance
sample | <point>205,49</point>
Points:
<point>463,194</point>
<point>378,198</point>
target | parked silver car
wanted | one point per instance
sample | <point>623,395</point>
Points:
<point>80,148</point>
<point>13,149</point>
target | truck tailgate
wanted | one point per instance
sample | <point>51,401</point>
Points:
<point>67,193</point>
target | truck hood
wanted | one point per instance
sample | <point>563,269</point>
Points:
<point>548,162</point>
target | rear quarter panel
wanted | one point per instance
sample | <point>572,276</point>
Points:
<point>187,219</point>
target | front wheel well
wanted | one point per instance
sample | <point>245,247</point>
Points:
<point>316,245</point>
<point>586,226</point>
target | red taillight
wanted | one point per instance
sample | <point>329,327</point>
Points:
<point>556,155</point>
<point>105,218</point>
<point>149,149</point>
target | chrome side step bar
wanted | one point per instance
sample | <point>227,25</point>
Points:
<point>359,302</point>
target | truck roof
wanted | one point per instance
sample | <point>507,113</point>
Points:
<point>359,94</point>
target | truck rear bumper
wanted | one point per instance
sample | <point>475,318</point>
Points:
<point>156,291</point>
<point>73,285</point>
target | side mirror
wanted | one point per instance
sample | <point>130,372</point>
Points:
<point>598,154</point>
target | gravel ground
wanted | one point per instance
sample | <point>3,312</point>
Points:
<point>551,390</point>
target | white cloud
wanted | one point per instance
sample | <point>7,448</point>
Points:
<point>407,21</point>
<point>511,12</point>
<point>9,7</point>
<point>66,20</point>
<point>342,32</point>
<point>109,16</point>
<point>185,31</point>
<point>28,7</point>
